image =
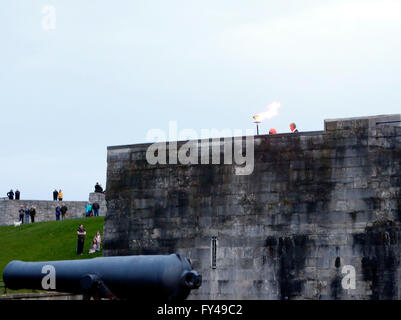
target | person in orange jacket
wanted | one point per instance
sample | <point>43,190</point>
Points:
<point>60,195</point>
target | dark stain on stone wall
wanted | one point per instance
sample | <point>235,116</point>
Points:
<point>337,262</point>
<point>179,199</point>
<point>335,285</point>
<point>398,205</point>
<point>291,253</point>
<point>207,179</point>
<point>378,245</point>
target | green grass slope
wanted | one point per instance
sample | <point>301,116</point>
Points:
<point>47,241</point>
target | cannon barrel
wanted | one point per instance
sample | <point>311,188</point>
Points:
<point>160,277</point>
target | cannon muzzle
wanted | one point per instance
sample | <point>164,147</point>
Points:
<point>155,277</point>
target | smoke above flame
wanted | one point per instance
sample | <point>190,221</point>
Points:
<point>271,111</point>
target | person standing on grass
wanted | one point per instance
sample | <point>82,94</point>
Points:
<point>88,209</point>
<point>63,211</point>
<point>95,207</point>
<point>32,213</point>
<point>27,212</point>
<point>81,239</point>
<point>60,195</point>
<point>58,212</point>
<point>21,212</point>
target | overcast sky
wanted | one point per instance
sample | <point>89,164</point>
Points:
<point>104,73</point>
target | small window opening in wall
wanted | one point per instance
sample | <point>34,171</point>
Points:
<point>214,252</point>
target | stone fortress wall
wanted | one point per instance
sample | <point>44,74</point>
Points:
<point>46,210</point>
<point>315,204</point>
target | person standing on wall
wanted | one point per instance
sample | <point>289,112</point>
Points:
<point>32,213</point>
<point>55,195</point>
<point>95,207</point>
<point>60,195</point>
<point>81,239</point>
<point>98,187</point>
<point>58,212</point>
<point>21,212</point>
<point>17,194</point>
<point>293,127</point>
<point>10,194</point>
<point>63,210</point>
<point>27,212</point>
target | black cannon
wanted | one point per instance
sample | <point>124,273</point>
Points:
<point>155,277</point>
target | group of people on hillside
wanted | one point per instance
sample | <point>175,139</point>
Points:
<point>61,211</point>
<point>25,213</point>
<point>96,242</point>
<point>92,209</point>
<point>11,194</point>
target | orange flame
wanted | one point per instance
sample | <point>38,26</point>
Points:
<point>272,111</point>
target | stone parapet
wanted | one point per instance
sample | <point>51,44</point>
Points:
<point>46,210</point>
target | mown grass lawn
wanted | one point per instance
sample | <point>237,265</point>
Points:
<point>47,241</point>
